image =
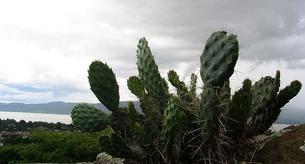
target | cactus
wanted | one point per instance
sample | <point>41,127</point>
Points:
<point>193,84</point>
<point>288,93</point>
<point>182,91</point>
<point>173,119</point>
<point>218,58</point>
<point>184,127</point>
<point>149,72</point>
<point>240,110</point>
<point>104,85</point>
<point>263,92</point>
<point>113,144</point>
<point>209,113</point>
<point>217,65</point>
<point>173,78</point>
<point>136,86</point>
<point>262,121</point>
<point>225,96</point>
<point>87,118</point>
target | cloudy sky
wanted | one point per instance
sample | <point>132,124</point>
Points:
<point>47,46</point>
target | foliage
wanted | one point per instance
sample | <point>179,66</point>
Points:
<point>184,127</point>
<point>12,125</point>
<point>44,146</point>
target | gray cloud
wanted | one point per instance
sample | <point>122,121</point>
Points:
<point>108,30</point>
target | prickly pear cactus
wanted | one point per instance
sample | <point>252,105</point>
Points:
<point>217,65</point>
<point>173,78</point>
<point>209,113</point>
<point>225,96</point>
<point>104,85</point>
<point>288,93</point>
<point>263,119</point>
<point>263,92</point>
<point>113,144</point>
<point>173,119</point>
<point>240,110</point>
<point>149,72</point>
<point>136,86</point>
<point>218,58</point>
<point>193,84</point>
<point>183,128</point>
<point>87,118</point>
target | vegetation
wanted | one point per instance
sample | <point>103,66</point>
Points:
<point>214,127</point>
<point>46,146</point>
<point>87,118</point>
<point>12,125</point>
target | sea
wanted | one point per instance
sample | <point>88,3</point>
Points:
<point>64,118</point>
<point>54,118</point>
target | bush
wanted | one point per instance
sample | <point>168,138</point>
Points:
<point>46,146</point>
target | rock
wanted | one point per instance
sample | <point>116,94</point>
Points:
<point>104,158</point>
<point>284,149</point>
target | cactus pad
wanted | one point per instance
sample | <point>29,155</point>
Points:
<point>136,86</point>
<point>104,85</point>
<point>288,93</point>
<point>240,110</point>
<point>149,72</point>
<point>218,58</point>
<point>263,92</point>
<point>172,120</point>
<point>88,118</point>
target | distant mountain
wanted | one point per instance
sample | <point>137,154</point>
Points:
<point>52,107</point>
<point>292,116</point>
<point>289,116</point>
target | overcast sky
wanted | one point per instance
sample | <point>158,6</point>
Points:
<point>46,46</point>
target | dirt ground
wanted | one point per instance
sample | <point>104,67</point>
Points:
<point>284,149</point>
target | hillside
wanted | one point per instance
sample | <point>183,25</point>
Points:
<point>284,149</point>
<point>289,116</point>
<point>52,107</point>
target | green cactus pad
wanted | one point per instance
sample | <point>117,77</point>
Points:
<point>240,110</point>
<point>173,78</point>
<point>193,84</point>
<point>218,58</point>
<point>87,118</point>
<point>173,118</point>
<point>288,93</point>
<point>149,72</point>
<point>136,86</point>
<point>104,85</point>
<point>263,92</point>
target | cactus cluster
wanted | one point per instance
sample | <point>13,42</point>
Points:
<point>184,127</point>
<point>87,118</point>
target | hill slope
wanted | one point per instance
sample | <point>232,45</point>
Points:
<point>284,149</point>
<point>52,107</point>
